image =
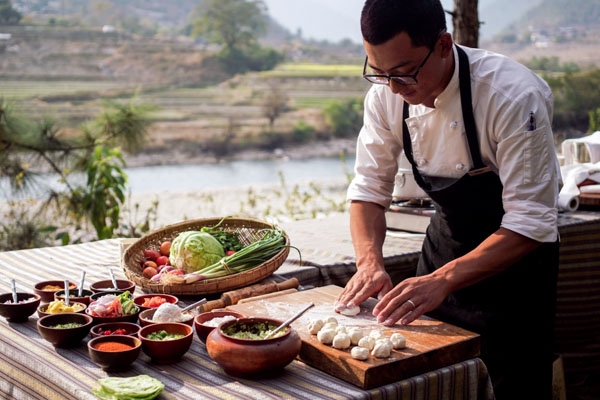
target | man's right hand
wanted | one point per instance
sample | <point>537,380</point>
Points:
<point>365,283</point>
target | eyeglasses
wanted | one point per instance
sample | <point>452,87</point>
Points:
<point>405,79</point>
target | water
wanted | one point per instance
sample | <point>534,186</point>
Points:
<point>153,179</point>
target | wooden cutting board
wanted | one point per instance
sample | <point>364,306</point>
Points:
<point>431,344</point>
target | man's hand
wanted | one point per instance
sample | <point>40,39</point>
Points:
<point>410,299</point>
<point>364,284</point>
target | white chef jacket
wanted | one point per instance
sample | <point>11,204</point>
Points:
<point>504,93</point>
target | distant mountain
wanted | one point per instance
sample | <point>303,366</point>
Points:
<point>497,15</point>
<point>551,14</point>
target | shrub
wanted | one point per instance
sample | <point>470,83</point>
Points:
<point>344,118</point>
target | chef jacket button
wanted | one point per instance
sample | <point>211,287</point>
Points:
<point>422,162</point>
<point>453,124</point>
<point>460,166</point>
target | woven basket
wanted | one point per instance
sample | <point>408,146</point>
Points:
<point>247,230</point>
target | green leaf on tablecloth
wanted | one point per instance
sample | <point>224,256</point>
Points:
<point>141,387</point>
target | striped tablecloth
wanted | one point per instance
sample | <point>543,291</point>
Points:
<point>30,368</point>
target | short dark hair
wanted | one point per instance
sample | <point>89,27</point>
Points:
<point>422,20</point>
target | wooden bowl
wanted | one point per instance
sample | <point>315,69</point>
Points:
<point>74,296</point>
<point>18,312</point>
<point>252,358</point>
<point>114,360</point>
<point>203,330</point>
<point>125,318</point>
<point>48,295</point>
<point>122,284</point>
<point>131,329</point>
<point>139,300</point>
<point>41,310</point>
<point>147,315</point>
<point>166,351</point>
<point>64,337</point>
<point>97,295</point>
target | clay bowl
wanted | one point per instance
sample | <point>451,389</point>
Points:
<point>203,330</point>
<point>125,318</point>
<point>252,358</point>
<point>139,300</point>
<point>41,310</point>
<point>166,351</point>
<point>147,315</point>
<point>97,295</point>
<point>114,360</point>
<point>74,296</point>
<point>64,337</point>
<point>48,295</point>
<point>18,312</point>
<point>107,284</point>
<point>131,329</point>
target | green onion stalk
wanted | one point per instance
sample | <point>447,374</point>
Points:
<point>256,253</point>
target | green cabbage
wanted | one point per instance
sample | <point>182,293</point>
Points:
<point>141,387</point>
<point>194,250</point>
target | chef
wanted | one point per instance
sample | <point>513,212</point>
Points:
<point>476,128</point>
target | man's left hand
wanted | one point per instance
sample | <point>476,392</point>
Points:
<point>410,299</point>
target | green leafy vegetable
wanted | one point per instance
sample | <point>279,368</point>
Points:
<point>229,240</point>
<point>141,387</point>
<point>194,250</point>
<point>127,303</point>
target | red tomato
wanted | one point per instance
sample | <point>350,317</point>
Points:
<point>154,301</point>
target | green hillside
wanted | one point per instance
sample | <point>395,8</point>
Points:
<point>551,14</point>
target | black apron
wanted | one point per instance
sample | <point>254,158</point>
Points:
<point>513,311</point>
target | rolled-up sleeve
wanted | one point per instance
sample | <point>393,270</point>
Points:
<point>377,152</point>
<point>528,167</point>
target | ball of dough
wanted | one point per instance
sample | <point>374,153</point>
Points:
<point>341,341</point>
<point>331,320</point>
<point>398,341</point>
<point>382,350</point>
<point>367,342</point>
<point>350,311</point>
<point>377,334</point>
<point>385,341</point>
<point>359,353</point>
<point>315,326</point>
<point>329,325</point>
<point>340,329</point>
<point>325,336</point>
<point>355,335</point>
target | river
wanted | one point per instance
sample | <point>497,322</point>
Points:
<point>215,175</point>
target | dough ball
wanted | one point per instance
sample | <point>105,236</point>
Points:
<point>325,336</point>
<point>398,341</point>
<point>359,353</point>
<point>377,334</point>
<point>355,335</point>
<point>350,311</point>
<point>382,350</point>
<point>340,329</point>
<point>315,326</point>
<point>341,341</point>
<point>385,341</point>
<point>367,342</point>
<point>331,320</point>
<point>329,325</point>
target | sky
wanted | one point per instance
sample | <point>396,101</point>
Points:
<point>333,20</point>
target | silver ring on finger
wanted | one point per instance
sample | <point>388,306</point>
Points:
<point>412,303</point>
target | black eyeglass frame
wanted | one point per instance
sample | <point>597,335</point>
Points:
<point>400,79</point>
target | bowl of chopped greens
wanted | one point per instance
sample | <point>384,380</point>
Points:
<point>66,329</point>
<point>20,311</point>
<point>241,346</point>
<point>166,342</point>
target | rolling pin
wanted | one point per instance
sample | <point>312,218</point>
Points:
<point>232,297</point>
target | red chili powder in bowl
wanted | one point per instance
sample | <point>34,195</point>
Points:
<point>112,346</point>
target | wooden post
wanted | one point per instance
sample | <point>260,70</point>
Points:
<point>466,23</point>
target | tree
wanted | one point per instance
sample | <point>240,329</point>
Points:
<point>274,103</point>
<point>465,22</point>
<point>233,23</point>
<point>8,15</point>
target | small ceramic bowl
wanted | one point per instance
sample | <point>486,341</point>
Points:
<point>97,295</point>
<point>125,318</point>
<point>18,312</point>
<point>64,337</point>
<point>48,295</point>
<point>203,330</point>
<point>74,296</point>
<point>131,329</point>
<point>41,310</point>
<point>139,300</point>
<point>166,351</point>
<point>252,358</point>
<point>147,315</point>
<point>114,360</point>
<point>107,284</point>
